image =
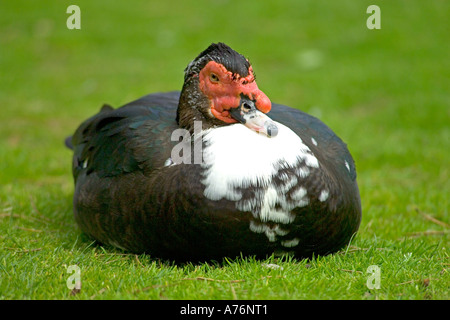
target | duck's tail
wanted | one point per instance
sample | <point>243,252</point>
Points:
<point>68,142</point>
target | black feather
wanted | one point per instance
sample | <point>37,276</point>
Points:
<point>68,142</point>
<point>223,54</point>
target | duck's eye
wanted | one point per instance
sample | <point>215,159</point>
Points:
<point>214,77</point>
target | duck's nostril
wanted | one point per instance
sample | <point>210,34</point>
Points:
<point>246,106</point>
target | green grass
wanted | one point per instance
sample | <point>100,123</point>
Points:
<point>385,92</point>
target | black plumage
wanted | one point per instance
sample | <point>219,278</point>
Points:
<point>129,196</point>
<point>223,54</point>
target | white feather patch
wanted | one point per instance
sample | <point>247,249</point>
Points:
<point>347,165</point>
<point>323,195</point>
<point>236,157</point>
<point>290,243</point>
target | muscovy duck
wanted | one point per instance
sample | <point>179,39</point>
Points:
<point>204,173</point>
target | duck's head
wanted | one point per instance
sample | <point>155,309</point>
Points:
<point>220,89</point>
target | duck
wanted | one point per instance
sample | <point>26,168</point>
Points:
<point>212,171</point>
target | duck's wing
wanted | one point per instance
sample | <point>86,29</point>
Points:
<point>324,143</point>
<point>133,137</point>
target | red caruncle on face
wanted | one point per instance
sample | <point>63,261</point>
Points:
<point>224,89</point>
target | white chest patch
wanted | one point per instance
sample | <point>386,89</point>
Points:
<point>236,158</point>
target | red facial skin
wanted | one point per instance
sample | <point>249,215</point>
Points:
<point>225,92</point>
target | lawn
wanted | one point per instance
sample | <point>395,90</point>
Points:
<point>384,92</point>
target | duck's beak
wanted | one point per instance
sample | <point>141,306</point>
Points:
<point>247,114</point>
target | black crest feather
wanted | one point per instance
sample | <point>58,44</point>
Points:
<point>223,54</point>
